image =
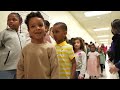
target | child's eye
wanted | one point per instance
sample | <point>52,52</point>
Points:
<point>32,26</point>
<point>14,19</point>
<point>56,32</point>
<point>41,25</point>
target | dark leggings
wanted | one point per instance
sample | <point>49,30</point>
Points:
<point>102,67</point>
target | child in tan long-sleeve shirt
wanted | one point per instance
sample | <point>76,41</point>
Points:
<point>38,59</point>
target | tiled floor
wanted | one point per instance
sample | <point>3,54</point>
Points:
<point>104,75</point>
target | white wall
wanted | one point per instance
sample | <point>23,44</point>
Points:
<point>74,28</point>
<point>3,19</point>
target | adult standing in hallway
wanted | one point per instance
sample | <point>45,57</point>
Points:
<point>115,46</point>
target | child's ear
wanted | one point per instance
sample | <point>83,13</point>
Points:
<point>65,33</point>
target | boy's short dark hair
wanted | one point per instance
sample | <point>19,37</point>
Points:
<point>62,25</point>
<point>31,15</point>
<point>64,28</point>
<point>46,22</point>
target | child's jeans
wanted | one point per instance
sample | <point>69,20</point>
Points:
<point>8,74</point>
<point>77,74</point>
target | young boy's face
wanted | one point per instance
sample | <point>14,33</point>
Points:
<point>36,28</point>
<point>58,33</point>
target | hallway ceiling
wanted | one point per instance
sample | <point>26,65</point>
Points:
<point>101,21</point>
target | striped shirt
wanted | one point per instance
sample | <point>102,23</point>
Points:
<point>65,54</point>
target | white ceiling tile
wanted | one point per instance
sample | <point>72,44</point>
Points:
<point>93,22</point>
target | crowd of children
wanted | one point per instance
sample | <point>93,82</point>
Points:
<point>48,55</point>
<point>89,58</point>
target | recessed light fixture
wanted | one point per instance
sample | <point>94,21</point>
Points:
<point>96,13</point>
<point>103,40</point>
<point>101,29</point>
<point>103,36</point>
<point>98,17</point>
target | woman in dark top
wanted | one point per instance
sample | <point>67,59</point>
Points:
<point>115,47</point>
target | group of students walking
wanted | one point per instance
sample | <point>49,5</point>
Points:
<point>48,55</point>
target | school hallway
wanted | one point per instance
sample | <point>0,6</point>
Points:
<point>66,41</point>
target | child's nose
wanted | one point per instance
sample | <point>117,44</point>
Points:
<point>75,44</point>
<point>38,28</point>
<point>11,21</point>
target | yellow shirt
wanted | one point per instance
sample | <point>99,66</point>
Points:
<point>65,54</point>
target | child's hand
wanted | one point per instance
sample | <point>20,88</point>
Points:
<point>108,61</point>
<point>113,69</point>
<point>80,76</point>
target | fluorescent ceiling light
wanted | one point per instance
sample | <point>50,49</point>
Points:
<point>103,36</point>
<point>103,40</point>
<point>96,13</point>
<point>98,17</point>
<point>101,29</point>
